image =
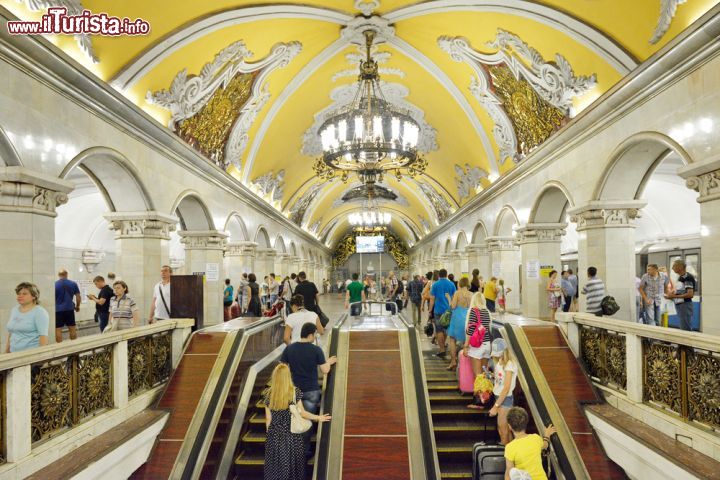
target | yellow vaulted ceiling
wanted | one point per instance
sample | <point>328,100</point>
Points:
<point>437,85</point>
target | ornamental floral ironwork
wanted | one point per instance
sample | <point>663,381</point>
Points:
<point>149,362</point>
<point>603,353</point>
<point>393,245</point>
<point>95,392</point>
<point>662,375</point>
<point>51,398</point>
<point>703,384</point>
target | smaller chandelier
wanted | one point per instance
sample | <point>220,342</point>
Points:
<point>369,218</point>
<point>369,136</point>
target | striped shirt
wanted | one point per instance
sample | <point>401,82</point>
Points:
<point>595,291</point>
<point>122,310</point>
<point>473,321</point>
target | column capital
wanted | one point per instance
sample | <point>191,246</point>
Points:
<point>457,253</point>
<point>238,249</point>
<point>28,191</point>
<point>495,244</point>
<point>704,178</point>
<point>541,233</point>
<point>607,214</point>
<point>203,239</point>
<point>266,252</point>
<point>476,249</point>
<point>147,224</point>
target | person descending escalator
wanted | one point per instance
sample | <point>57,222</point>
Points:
<point>284,450</point>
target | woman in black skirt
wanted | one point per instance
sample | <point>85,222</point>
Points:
<point>254,308</point>
<point>284,450</point>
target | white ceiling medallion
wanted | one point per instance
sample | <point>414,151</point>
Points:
<point>74,7</point>
<point>188,94</point>
<point>468,179</point>
<point>367,6</point>
<point>668,8</point>
<point>270,186</point>
<point>357,58</point>
<point>554,82</point>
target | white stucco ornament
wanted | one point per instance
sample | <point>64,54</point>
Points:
<point>367,6</point>
<point>468,179</point>
<point>74,8</point>
<point>554,82</point>
<point>270,186</point>
<point>668,8</point>
<point>188,94</point>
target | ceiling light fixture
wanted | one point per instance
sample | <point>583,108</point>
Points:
<point>369,136</point>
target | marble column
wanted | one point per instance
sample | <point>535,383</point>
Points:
<point>141,249</point>
<point>204,253</point>
<point>606,241</point>
<point>281,265</point>
<point>505,263</point>
<point>28,201</point>
<point>264,262</point>
<point>458,263</point>
<point>444,261</point>
<point>479,257</point>
<point>240,258</point>
<point>704,178</point>
<point>539,248</point>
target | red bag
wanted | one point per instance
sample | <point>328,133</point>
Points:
<point>478,335</point>
<point>466,377</point>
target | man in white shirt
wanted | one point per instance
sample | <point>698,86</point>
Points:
<point>299,317</point>
<point>273,288</point>
<point>160,307</point>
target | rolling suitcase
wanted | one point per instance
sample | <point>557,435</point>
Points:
<point>488,462</point>
<point>466,378</point>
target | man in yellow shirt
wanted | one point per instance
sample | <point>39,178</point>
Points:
<point>525,451</point>
<point>490,294</point>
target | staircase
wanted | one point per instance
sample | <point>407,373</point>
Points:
<point>456,427</point>
<point>251,460</point>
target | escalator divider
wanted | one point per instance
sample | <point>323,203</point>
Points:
<point>533,391</point>
<point>323,440</point>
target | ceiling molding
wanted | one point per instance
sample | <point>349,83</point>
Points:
<point>588,36</point>
<point>195,29</point>
<point>438,74</point>
<point>307,71</point>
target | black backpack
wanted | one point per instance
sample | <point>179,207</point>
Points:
<point>401,288</point>
<point>609,306</point>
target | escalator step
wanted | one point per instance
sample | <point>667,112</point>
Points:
<point>255,459</point>
<point>260,437</point>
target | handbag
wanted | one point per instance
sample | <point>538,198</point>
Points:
<point>445,318</point>
<point>477,337</point>
<point>324,320</point>
<point>298,424</point>
<point>429,330</point>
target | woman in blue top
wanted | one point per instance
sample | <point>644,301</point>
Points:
<point>227,299</point>
<point>28,325</point>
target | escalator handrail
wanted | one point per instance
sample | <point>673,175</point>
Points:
<point>323,435</point>
<point>192,469</point>
<point>421,392</point>
<point>558,449</point>
<point>246,389</point>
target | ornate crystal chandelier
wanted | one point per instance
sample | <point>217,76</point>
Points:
<point>369,136</point>
<point>369,218</point>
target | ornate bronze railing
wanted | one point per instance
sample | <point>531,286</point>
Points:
<point>75,382</point>
<point>67,390</point>
<point>682,379</point>
<point>675,372</point>
<point>2,418</point>
<point>149,362</point>
<point>603,353</point>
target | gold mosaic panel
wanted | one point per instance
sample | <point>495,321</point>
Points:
<point>51,398</point>
<point>534,119</point>
<point>209,130</point>
<point>95,392</point>
<point>394,246</point>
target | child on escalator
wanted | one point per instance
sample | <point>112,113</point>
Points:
<point>523,456</point>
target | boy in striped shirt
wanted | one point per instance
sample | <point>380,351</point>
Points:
<point>595,291</point>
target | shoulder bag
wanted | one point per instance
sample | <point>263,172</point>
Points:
<point>478,335</point>
<point>445,318</point>
<point>162,297</point>
<point>298,424</point>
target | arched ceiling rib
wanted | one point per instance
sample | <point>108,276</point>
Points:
<point>598,37</point>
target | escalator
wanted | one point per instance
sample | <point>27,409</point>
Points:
<point>456,427</point>
<point>202,397</point>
